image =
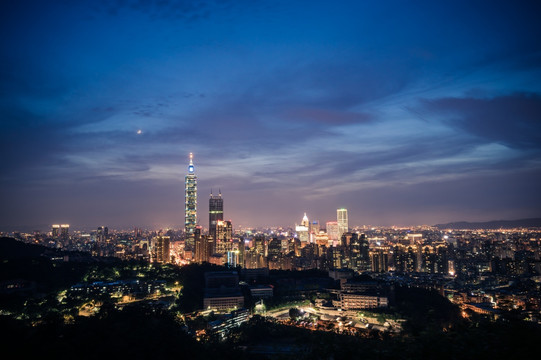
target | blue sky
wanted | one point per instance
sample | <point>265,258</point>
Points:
<point>404,112</point>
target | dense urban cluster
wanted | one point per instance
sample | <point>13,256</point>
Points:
<point>215,285</point>
<point>484,271</point>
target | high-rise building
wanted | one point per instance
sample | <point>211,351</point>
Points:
<point>190,201</point>
<point>102,234</point>
<point>64,231</point>
<point>216,212</point>
<point>405,258</point>
<point>303,230</point>
<point>332,232</point>
<point>199,246</point>
<point>314,230</point>
<point>224,230</point>
<point>163,251</point>
<point>55,232</point>
<point>359,254</point>
<point>224,237</point>
<point>379,259</point>
<point>275,248</point>
<point>204,246</point>
<point>342,220</point>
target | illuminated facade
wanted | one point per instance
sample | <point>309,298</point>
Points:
<point>303,230</point>
<point>352,301</point>
<point>216,213</point>
<point>64,231</point>
<point>379,259</point>
<point>102,233</point>
<point>162,245</point>
<point>55,231</point>
<point>332,232</point>
<point>342,220</point>
<point>224,231</point>
<point>190,201</point>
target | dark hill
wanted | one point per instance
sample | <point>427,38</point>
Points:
<point>14,249</point>
<point>496,224</point>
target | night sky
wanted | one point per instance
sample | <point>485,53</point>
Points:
<point>404,112</point>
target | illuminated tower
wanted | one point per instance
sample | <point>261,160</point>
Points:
<point>303,230</point>
<point>102,233</point>
<point>342,219</point>
<point>56,231</point>
<point>216,212</point>
<point>190,201</point>
<point>64,231</point>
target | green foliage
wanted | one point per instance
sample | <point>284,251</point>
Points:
<point>137,332</point>
<point>295,314</point>
<point>425,309</point>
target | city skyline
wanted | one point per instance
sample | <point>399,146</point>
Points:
<point>404,114</point>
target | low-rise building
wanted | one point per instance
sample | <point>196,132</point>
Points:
<point>262,291</point>
<point>223,299</point>
<point>353,301</point>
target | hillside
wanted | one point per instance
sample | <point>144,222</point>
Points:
<point>495,224</point>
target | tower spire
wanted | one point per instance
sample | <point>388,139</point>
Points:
<point>190,166</point>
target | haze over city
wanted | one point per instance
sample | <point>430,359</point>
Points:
<point>404,113</point>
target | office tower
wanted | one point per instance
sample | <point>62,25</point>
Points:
<point>102,233</point>
<point>190,209</point>
<point>210,248</point>
<point>275,248</point>
<point>223,230</point>
<point>256,257</point>
<point>260,244</point>
<point>364,253</point>
<point>314,230</point>
<point>332,232</point>
<point>204,247</point>
<point>199,245</point>
<point>64,231</point>
<point>55,231</point>
<point>314,227</point>
<point>216,212</point>
<point>342,220</point>
<point>359,253</point>
<point>303,230</point>
<point>224,237</point>
<point>162,246</point>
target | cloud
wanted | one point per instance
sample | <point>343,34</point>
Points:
<point>327,116</point>
<point>513,120</point>
<point>187,10</point>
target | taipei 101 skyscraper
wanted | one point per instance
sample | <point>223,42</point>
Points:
<point>190,208</point>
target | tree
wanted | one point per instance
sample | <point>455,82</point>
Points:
<point>294,313</point>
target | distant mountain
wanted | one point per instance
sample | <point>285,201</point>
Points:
<point>496,224</point>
